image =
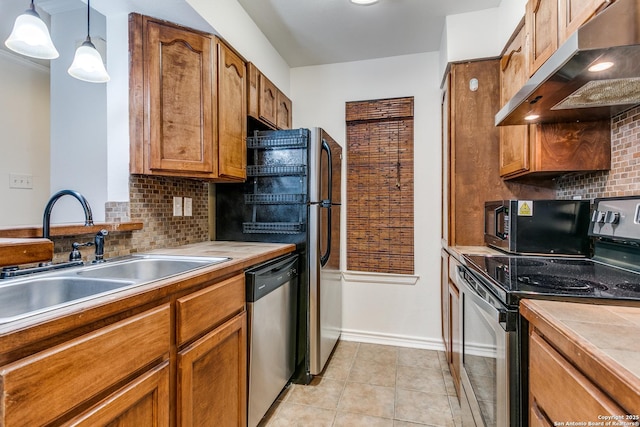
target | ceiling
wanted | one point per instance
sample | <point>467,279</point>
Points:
<point>304,32</point>
<point>313,32</point>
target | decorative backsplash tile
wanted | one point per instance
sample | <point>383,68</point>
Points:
<point>151,202</point>
<point>624,177</point>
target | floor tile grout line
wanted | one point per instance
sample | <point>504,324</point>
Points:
<point>344,385</point>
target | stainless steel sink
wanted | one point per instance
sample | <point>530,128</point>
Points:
<point>35,295</point>
<point>147,268</point>
<point>41,292</point>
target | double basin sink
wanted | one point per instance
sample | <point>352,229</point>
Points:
<point>42,292</point>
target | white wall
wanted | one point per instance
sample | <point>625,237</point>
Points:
<point>481,34</point>
<point>24,142</point>
<point>234,24</point>
<point>388,313</point>
<point>78,121</point>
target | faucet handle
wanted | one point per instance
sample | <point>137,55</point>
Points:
<point>75,254</point>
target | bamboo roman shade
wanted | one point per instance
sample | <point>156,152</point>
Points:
<point>380,186</point>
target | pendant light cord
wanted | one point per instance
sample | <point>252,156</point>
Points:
<point>88,20</point>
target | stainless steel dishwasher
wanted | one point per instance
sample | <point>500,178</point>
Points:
<point>271,303</point>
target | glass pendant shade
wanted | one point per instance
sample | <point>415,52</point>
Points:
<point>87,64</point>
<point>30,37</point>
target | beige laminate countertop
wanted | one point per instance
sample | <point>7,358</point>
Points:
<point>458,251</point>
<point>17,336</point>
<point>601,340</point>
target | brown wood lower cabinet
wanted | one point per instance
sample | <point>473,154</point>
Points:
<point>212,375</point>
<point>558,391</point>
<point>144,402</point>
<point>43,387</point>
<point>183,360</point>
<point>451,325</point>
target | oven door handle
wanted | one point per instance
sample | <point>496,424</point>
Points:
<point>501,316</point>
<point>497,215</point>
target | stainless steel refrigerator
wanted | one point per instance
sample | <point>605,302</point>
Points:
<point>293,195</point>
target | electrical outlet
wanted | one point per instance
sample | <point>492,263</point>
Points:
<point>177,206</point>
<point>188,206</point>
<point>20,180</point>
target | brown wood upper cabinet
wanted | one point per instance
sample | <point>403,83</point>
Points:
<point>266,102</point>
<point>514,72</point>
<point>187,103</point>
<point>541,20</point>
<point>550,23</point>
<point>547,149</point>
<point>574,13</point>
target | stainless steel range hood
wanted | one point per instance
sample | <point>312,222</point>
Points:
<point>564,90</point>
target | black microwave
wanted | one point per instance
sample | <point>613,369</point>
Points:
<point>538,227</point>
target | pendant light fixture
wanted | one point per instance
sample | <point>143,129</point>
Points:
<point>30,36</point>
<point>87,63</point>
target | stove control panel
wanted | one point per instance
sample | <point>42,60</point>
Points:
<point>616,218</point>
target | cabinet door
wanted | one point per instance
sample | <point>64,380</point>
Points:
<point>204,310</point>
<point>551,375</point>
<point>514,72</point>
<point>542,28</point>
<point>268,101</point>
<point>283,115</point>
<point>179,95</point>
<point>212,378</point>
<point>232,115</point>
<point>444,299</point>
<point>455,334</point>
<point>573,13</point>
<point>145,402</point>
<point>448,166</point>
<point>40,388</point>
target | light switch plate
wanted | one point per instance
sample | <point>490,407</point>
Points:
<point>177,206</point>
<point>20,180</point>
<point>188,202</point>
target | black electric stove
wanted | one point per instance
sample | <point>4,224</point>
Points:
<point>512,278</point>
<point>613,273</point>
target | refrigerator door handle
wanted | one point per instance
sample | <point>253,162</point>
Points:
<point>324,258</point>
<point>325,147</point>
<point>326,204</point>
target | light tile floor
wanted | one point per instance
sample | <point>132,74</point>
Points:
<point>372,385</point>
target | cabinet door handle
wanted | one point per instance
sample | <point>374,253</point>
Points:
<point>504,62</point>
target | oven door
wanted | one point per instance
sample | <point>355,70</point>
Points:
<point>486,345</point>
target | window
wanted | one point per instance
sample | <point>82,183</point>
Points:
<point>380,186</point>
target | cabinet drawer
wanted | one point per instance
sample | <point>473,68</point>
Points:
<point>40,388</point>
<point>203,310</point>
<point>551,375</point>
<point>143,402</point>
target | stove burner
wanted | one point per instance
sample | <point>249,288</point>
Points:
<point>561,283</point>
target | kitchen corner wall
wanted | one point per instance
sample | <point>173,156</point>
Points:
<point>624,177</point>
<point>151,202</point>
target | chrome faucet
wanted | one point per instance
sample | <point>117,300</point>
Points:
<point>46,219</point>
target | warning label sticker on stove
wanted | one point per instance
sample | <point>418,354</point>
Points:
<point>525,207</point>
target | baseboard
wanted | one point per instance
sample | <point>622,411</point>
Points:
<point>389,339</point>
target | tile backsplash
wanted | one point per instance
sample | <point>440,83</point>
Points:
<point>151,202</point>
<point>624,177</point>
